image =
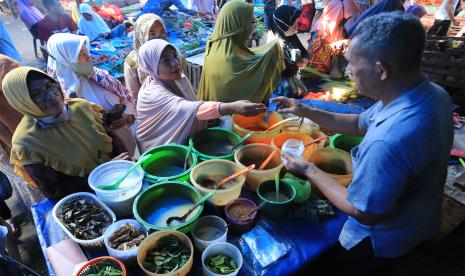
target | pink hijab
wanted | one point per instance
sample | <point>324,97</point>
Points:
<point>165,112</point>
<point>329,25</point>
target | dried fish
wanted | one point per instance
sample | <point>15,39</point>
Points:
<point>126,237</point>
<point>84,219</point>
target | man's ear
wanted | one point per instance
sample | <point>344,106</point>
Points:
<point>382,70</point>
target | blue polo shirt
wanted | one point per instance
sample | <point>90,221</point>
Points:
<point>400,169</point>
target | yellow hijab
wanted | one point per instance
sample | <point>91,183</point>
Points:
<point>74,148</point>
<point>231,70</point>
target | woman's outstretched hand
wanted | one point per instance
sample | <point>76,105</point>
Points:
<point>288,105</point>
<point>245,108</point>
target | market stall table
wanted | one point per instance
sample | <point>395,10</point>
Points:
<point>309,238</point>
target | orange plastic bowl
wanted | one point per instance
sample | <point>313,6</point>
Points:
<point>102,262</point>
<point>245,124</point>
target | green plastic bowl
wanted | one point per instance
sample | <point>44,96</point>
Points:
<point>271,208</point>
<point>146,202</point>
<point>208,138</point>
<point>345,142</point>
<point>166,163</point>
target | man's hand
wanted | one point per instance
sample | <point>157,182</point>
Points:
<point>288,105</point>
<point>123,156</point>
<point>297,166</point>
<point>455,22</point>
<point>245,108</point>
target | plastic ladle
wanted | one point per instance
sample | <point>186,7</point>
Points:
<point>316,141</point>
<point>189,150</point>
<point>115,185</point>
<point>243,139</point>
<point>212,183</point>
<point>282,122</point>
<point>268,159</point>
<point>182,219</point>
<point>249,215</point>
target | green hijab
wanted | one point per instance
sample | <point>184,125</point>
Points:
<point>231,70</point>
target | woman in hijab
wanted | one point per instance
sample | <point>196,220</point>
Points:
<point>148,26</point>
<point>381,6</point>
<point>30,15</point>
<point>167,110</point>
<point>93,26</point>
<point>9,117</point>
<point>231,70</point>
<point>59,141</point>
<point>330,26</point>
<point>69,63</point>
<point>418,10</point>
<point>284,24</point>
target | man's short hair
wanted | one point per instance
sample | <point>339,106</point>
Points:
<point>49,3</point>
<point>396,38</point>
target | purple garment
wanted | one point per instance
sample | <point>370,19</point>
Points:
<point>417,10</point>
<point>29,14</point>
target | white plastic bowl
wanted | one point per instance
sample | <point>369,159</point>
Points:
<point>96,243</point>
<point>223,248</point>
<point>128,257</point>
<point>208,221</point>
<point>120,200</point>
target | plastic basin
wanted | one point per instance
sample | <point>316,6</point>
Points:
<point>273,208</point>
<point>120,200</point>
<point>209,225</point>
<point>222,248</point>
<point>245,124</point>
<point>256,154</point>
<point>345,142</point>
<point>153,206</point>
<point>214,143</point>
<point>336,163</point>
<point>128,257</point>
<point>237,224</point>
<point>154,240</point>
<point>217,169</point>
<point>167,162</point>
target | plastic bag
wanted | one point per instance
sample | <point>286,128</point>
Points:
<point>261,247</point>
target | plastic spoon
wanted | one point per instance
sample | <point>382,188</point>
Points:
<point>316,141</point>
<point>189,150</point>
<point>184,217</point>
<point>268,159</point>
<point>247,136</point>
<point>115,185</point>
<point>276,184</point>
<point>281,122</point>
<point>210,182</point>
<point>255,209</point>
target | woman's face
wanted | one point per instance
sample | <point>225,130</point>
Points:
<point>169,68</point>
<point>83,55</point>
<point>87,16</point>
<point>157,31</point>
<point>47,95</point>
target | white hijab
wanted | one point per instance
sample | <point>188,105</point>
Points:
<point>93,28</point>
<point>64,49</point>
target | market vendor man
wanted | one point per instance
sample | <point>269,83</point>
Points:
<point>55,22</point>
<point>399,170</point>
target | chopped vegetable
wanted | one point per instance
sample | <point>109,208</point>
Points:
<point>103,268</point>
<point>170,256</point>
<point>221,264</point>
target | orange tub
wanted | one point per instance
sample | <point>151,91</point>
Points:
<point>244,124</point>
